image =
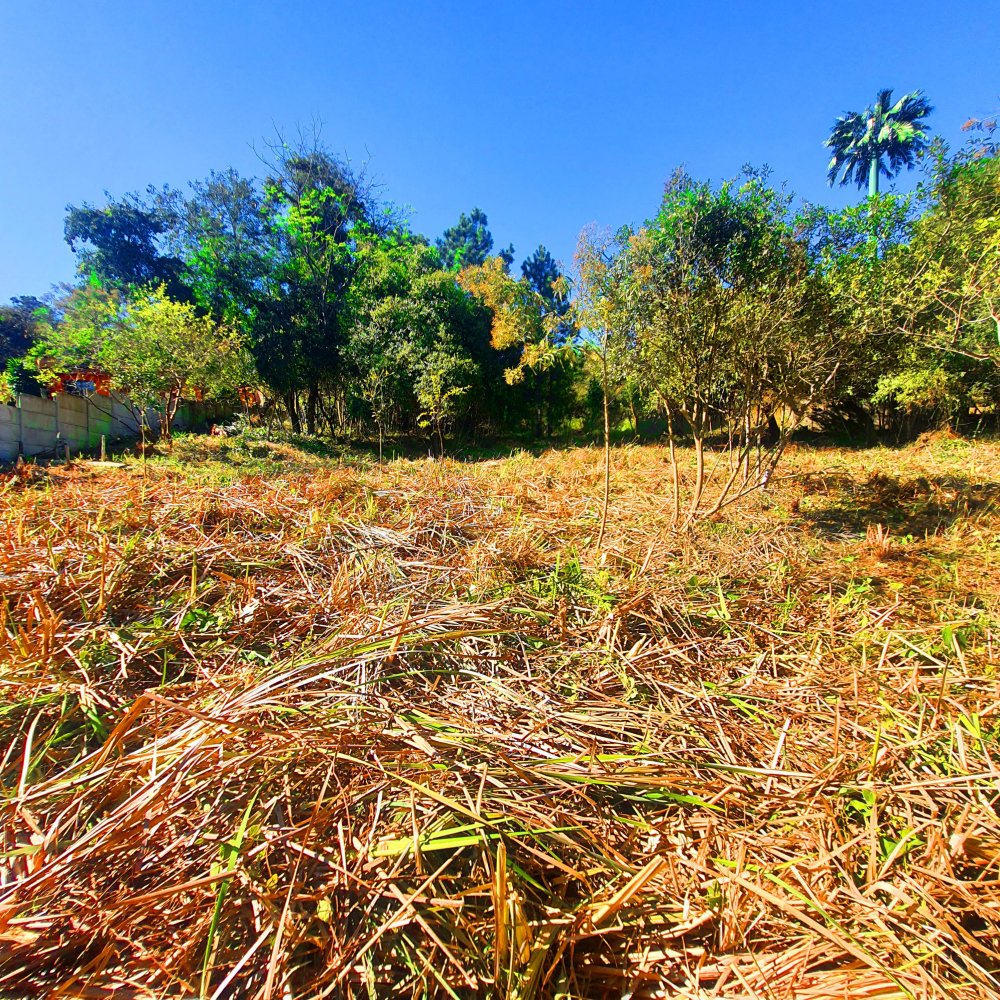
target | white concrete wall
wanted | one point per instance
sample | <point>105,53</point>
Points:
<point>39,422</point>
<point>9,433</point>
<point>33,426</point>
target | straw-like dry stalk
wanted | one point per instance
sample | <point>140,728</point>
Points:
<point>376,731</point>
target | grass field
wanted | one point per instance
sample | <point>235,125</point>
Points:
<point>279,724</point>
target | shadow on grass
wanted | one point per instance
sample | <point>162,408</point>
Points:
<point>459,450</point>
<point>844,506</point>
<point>247,449</point>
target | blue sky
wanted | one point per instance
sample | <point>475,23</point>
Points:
<point>548,116</point>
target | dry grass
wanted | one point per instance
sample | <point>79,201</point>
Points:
<point>277,726</point>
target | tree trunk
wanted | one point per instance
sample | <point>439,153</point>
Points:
<point>746,444</point>
<point>311,401</point>
<point>873,178</point>
<point>699,476</point>
<point>607,451</point>
<point>674,470</point>
<point>169,413</point>
<point>325,413</point>
<point>291,401</point>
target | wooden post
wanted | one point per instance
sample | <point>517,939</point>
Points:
<point>104,454</point>
<point>67,454</point>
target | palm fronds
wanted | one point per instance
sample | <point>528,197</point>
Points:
<point>891,135</point>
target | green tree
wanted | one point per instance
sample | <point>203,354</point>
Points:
<point>19,325</point>
<point>943,295</point>
<point>153,349</point>
<point>851,251</point>
<point>164,349</point>
<point>731,326</point>
<point>469,243</point>
<point>219,233</point>
<point>73,332</point>
<point>318,210</point>
<point>120,246</point>
<point>518,313</point>
<point>415,336</point>
<point>879,141</point>
<point>550,386</point>
<point>525,324</point>
<point>954,258</point>
<point>442,388</point>
<point>380,349</point>
<point>601,308</point>
<point>543,274</point>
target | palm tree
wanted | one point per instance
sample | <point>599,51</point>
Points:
<point>882,139</point>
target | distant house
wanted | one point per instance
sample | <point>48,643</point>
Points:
<point>81,382</point>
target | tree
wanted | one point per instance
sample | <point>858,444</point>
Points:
<point>469,243</point>
<point>853,253</point>
<point>18,330</point>
<point>925,387</point>
<point>732,328</point>
<point>219,233</point>
<point>119,245</point>
<point>418,343</point>
<point>549,386</point>
<point>18,326</point>
<point>955,254</point>
<point>943,294</point>
<point>72,334</point>
<point>441,387</point>
<point>543,274</point>
<point>601,308</point>
<point>518,313</point>
<point>381,341</point>
<point>163,349</point>
<point>880,140</point>
<point>522,332</point>
<point>152,348</point>
<point>318,210</point>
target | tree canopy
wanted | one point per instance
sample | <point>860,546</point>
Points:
<point>731,313</point>
<point>469,243</point>
<point>879,141</point>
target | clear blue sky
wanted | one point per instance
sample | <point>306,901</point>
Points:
<point>548,115</point>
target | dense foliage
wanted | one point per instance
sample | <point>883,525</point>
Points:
<point>731,313</point>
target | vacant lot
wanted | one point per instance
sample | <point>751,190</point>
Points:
<point>282,725</point>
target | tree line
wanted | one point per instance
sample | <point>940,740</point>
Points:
<point>731,316</point>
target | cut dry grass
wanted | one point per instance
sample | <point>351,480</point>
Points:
<point>303,728</point>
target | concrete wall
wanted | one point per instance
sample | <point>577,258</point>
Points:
<point>9,433</point>
<point>33,426</point>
